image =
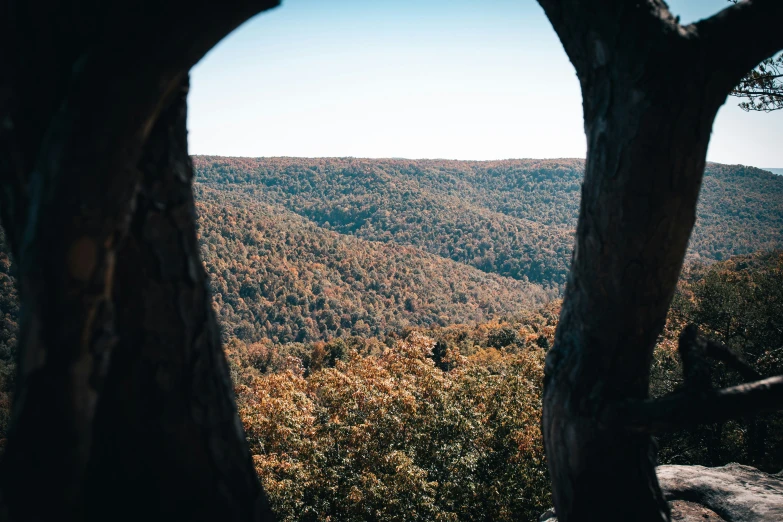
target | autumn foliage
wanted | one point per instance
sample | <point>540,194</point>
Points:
<point>279,277</point>
<point>738,302</point>
<point>444,425</point>
<point>393,437</point>
<point>515,218</point>
<point>386,324</point>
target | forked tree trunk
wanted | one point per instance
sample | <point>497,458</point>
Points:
<point>651,90</point>
<point>168,441</point>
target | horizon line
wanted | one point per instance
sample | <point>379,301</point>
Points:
<point>400,158</point>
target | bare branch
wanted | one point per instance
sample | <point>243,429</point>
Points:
<point>721,352</point>
<point>694,351</point>
<point>760,78</point>
<point>699,403</point>
<point>758,93</point>
<point>685,409</point>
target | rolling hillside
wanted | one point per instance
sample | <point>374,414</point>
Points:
<point>303,250</point>
<point>514,218</point>
<point>276,275</point>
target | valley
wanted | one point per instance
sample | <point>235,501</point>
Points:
<point>386,324</point>
<point>306,250</point>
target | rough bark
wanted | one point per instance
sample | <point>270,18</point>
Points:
<point>65,251</point>
<point>82,86</point>
<point>650,94</point>
<point>167,431</point>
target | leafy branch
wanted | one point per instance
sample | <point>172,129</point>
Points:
<point>762,87</point>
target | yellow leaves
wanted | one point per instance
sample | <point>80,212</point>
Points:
<point>355,495</point>
<point>527,441</point>
<point>394,438</point>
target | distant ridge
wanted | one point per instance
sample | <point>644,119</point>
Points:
<point>311,249</point>
<point>778,171</point>
<point>515,218</point>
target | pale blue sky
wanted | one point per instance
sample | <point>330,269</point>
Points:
<point>457,79</point>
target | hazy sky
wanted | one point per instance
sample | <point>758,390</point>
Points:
<point>458,79</point>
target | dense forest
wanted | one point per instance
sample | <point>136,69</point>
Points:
<point>278,276</point>
<point>514,218</point>
<point>738,302</point>
<point>9,328</point>
<point>386,323</point>
<point>306,250</point>
<point>444,424</point>
<point>303,250</point>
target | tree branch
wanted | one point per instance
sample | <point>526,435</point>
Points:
<point>721,352</point>
<point>761,78</point>
<point>738,38</point>
<point>694,351</point>
<point>699,403</point>
<point>757,93</point>
<point>685,409</point>
<point>589,29</point>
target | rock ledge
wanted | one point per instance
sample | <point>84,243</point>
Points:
<point>731,493</point>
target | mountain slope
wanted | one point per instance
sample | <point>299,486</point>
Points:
<point>740,212</point>
<point>310,249</point>
<point>276,275</point>
<point>515,217</point>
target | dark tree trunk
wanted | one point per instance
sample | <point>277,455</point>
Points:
<point>638,207</point>
<point>756,433</point>
<point>713,440</point>
<point>166,428</point>
<point>651,89</point>
<point>81,89</point>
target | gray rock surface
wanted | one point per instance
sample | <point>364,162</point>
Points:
<point>735,492</point>
<point>731,493</point>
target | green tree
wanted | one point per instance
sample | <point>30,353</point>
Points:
<point>737,302</point>
<point>393,437</point>
<point>762,87</point>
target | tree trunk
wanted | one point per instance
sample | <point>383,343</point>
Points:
<point>756,433</point>
<point>644,165</point>
<point>651,89</point>
<point>65,247</point>
<point>647,135</point>
<point>168,440</point>
<point>82,87</point>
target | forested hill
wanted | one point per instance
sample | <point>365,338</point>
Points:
<point>277,275</point>
<point>303,250</point>
<point>514,217</point>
